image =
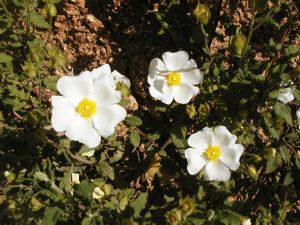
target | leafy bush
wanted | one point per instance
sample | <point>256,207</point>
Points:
<point>139,174</point>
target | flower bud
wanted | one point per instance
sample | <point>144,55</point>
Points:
<point>174,217</point>
<point>122,201</point>
<point>204,110</point>
<point>52,9</point>
<point>107,188</point>
<point>10,176</point>
<point>35,204</point>
<point>123,88</point>
<point>187,206</point>
<point>259,5</point>
<point>191,110</point>
<point>251,171</point>
<point>98,193</point>
<point>238,43</point>
<point>202,13</point>
<point>269,152</point>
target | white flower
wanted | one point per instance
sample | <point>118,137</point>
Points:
<point>174,77</point>
<point>6,173</point>
<point>116,76</point>
<point>98,193</point>
<point>298,117</point>
<point>75,178</point>
<point>286,95</point>
<point>216,151</point>
<point>246,222</point>
<point>88,107</point>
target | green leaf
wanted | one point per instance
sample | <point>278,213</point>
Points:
<point>284,112</point>
<point>288,179</point>
<point>139,204</point>
<point>178,134</point>
<point>133,121</point>
<point>51,215</point>
<point>273,163</point>
<point>106,170</point>
<point>285,154</point>
<point>87,221</point>
<point>5,58</point>
<point>135,138</point>
<point>38,20</point>
<point>85,188</point>
<point>50,82</point>
<point>40,176</point>
<point>296,93</point>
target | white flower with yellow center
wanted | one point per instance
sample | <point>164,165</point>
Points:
<point>286,95</point>
<point>88,107</point>
<point>174,77</point>
<point>216,151</point>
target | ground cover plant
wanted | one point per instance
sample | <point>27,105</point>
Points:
<point>149,112</point>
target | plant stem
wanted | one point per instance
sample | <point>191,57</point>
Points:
<point>263,20</point>
<point>205,36</point>
<point>250,32</point>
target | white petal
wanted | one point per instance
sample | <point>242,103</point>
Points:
<point>120,78</point>
<point>156,67</point>
<point>75,178</point>
<point>104,91</point>
<point>286,95</point>
<point>194,76</point>
<point>201,139</point>
<point>104,69</point>
<point>215,170</point>
<point>166,96</point>
<point>195,160</point>
<point>175,60</point>
<point>81,130</point>
<point>223,138</point>
<point>230,157</point>
<point>63,113</point>
<point>75,88</point>
<point>107,118</point>
<point>184,92</point>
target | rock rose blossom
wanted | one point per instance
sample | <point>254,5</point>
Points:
<point>216,151</point>
<point>286,95</point>
<point>88,107</point>
<point>174,77</point>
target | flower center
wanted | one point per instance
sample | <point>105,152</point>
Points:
<point>212,153</point>
<point>173,78</point>
<point>86,108</point>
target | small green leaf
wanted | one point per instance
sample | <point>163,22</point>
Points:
<point>135,138</point>
<point>50,82</point>
<point>40,176</point>
<point>273,163</point>
<point>178,133</point>
<point>5,58</point>
<point>85,188</point>
<point>284,112</point>
<point>38,20</point>
<point>139,204</point>
<point>133,121</point>
<point>51,215</point>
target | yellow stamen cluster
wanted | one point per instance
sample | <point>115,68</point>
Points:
<point>86,108</point>
<point>212,153</point>
<point>173,79</point>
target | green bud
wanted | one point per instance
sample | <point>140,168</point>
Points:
<point>123,88</point>
<point>52,9</point>
<point>107,188</point>
<point>259,5</point>
<point>238,43</point>
<point>10,176</point>
<point>256,158</point>
<point>202,13</point>
<point>251,171</point>
<point>191,110</point>
<point>122,201</point>
<point>204,110</point>
<point>187,206</point>
<point>35,204</point>
<point>29,69</point>
<point>174,217</point>
<point>269,152</point>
